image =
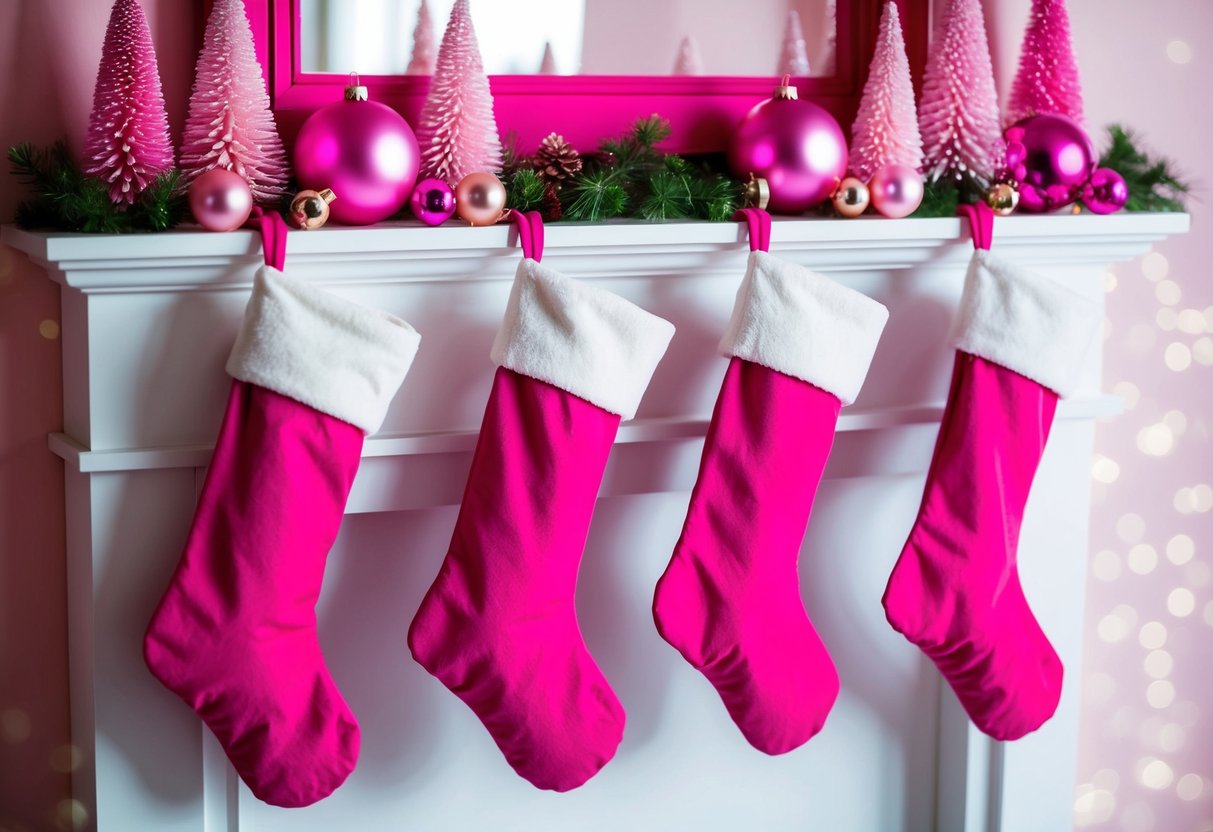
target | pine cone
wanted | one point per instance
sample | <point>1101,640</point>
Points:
<point>552,209</point>
<point>556,161</point>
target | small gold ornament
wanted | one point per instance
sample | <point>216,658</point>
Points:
<point>310,209</point>
<point>1003,198</point>
<point>757,192</point>
<point>851,198</point>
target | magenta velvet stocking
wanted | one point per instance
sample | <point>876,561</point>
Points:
<point>729,600</point>
<point>955,589</point>
<point>498,627</point>
<point>235,634</point>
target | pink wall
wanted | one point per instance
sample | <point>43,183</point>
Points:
<point>1148,717</point>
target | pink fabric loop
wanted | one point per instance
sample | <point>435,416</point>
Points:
<point>536,220</point>
<point>759,223</point>
<point>530,233</point>
<point>273,236</point>
<point>981,221</point>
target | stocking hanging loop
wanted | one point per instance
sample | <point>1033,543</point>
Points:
<point>981,221</point>
<point>530,233</point>
<point>759,223</point>
<point>273,236</point>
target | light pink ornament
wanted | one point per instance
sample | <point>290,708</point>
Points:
<point>794,55</point>
<point>1047,80</point>
<point>364,151</point>
<point>422,60</point>
<point>896,191</point>
<point>128,143</point>
<point>795,145</point>
<point>958,113</point>
<point>220,200</point>
<point>456,130</point>
<point>230,124</point>
<point>886,128</point>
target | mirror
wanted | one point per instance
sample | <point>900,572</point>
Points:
<point>578,37</point>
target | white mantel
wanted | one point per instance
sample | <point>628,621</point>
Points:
<point>147,322</point>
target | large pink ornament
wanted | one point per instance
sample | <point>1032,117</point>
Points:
<point>220,200</point>
<point>364,151</point>
<point>795,145</point>
<point>1059,161</point>
<point>896,191</point>
<point>1105,192</point>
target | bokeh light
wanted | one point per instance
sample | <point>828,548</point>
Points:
<point>1153,635</point>
<point>1105,565</point>
<point>1142,558</point>
<point>15,725</point>
<point>71,814</point>
<point>1189,787</point>
<point>49,330</point>
<point>1155,266</point>
<point>1202,351</point>
<point>1166,319</point>
<point>1178,356</point>
<point>1160,694</point>
<point>1155,440</point>
<point>1155,774</point>
<point>1181,602</point>
<point>1105,470</point>
<point>1158,664</point>
<point>1180,549</point>
<point>1172,737</point>
<point>1168,293</point>
<point>1130,527</point>
<point>1191,321</point>
<point>1128,392</point>
<point>1179,52</point>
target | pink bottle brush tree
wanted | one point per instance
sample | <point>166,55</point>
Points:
<point>128,143</point>
<point>422,60</point>
<point>958,114</point>
<point>1047,80</point>
<point>886,128</point>
<point>230,124</point>
<point>456,130</point>
<point>794,54</point>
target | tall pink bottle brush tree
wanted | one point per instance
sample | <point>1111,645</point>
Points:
<point>456,130</point>
<point>1047,80</point>
<point>230,124</point>
<point>958,114</point>
<point>128,144</point>
<point>422,60</point>
<point>886,128</point>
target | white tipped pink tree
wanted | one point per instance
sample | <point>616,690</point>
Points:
<point>794,55</point>
<point>456,130</point>
<point>886,128</point>
<point>230,124</point>
<point>422,60</point>
<point>128,144</point>
<point>689,61</point>
<point>1047,80</point>
<point>958,114</point>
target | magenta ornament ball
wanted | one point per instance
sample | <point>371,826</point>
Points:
<point>220,200</point>
<point>433,201</point>
<point>365,153</point>
<point>1105,192</point>
<point>797,147</point>
<point>896,191</point>
<point>1058,161</point>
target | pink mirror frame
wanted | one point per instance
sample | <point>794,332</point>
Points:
<point>702,110</point>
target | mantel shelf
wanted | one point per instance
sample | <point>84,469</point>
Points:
<point>409,251</point>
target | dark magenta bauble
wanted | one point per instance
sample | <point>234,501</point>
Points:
<point>433,201</point>
<point>1058,161</point>
<point>365,152</point>
<point>796,146</point>
<point>1105,192</point>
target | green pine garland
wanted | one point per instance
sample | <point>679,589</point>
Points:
<point>65,199</point>
<point>1154,185</point>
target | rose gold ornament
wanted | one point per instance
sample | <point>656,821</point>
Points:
<point>480,199</point>
<point>310,209</point>
<point>1002,198</point>
<point>852,198</point>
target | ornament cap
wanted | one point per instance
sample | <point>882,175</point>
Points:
<point>786,90</point>
<point>757,192</point>
<point>327,195</point>
<point>354,90</point>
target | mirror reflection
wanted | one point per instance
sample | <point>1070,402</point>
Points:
<point>567,37</point>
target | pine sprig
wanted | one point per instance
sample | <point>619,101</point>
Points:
<point>1154,185</point>
<point>526,190</point>
<point>940,198</point>
<point>596,196</point>
<point>65,199</point>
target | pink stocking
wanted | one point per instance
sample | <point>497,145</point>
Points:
<point>955,590</point>
<point>498,627</point>
<point>235,634</point>
<point>729,600</point>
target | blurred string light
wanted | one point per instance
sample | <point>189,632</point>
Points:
<point>1142,558</point>
<point>1130,527</point>
<point>1152,635</point>
<point>1179,52</point>
<point>1155,266</point>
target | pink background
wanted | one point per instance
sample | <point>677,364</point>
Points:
<point>1148,717</point>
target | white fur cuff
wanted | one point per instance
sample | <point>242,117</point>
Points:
<point>1025,322</point>
<point>329,353</point>
<point>585,341</point>
<point>804,325</point>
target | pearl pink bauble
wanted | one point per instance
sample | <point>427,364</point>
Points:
<point>896,191</point>
<point>220,200</point>
<point>796,146</point>
<point>433,201</point>
<point>1059,159</point>
<point>1105,192</point>
<point>852,198</point>
<point>480,199</point>
<point>365,152</point>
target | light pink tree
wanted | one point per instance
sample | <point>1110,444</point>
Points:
<point>1047,81</point>
<point>422,60</point>
<point>794,55</point>
<point>547,64</point>
<point>886,128</point>
<point>689,61</point>
<point>128,143</point>
<point>958,114</point>
<point>230,124</point>
<point>456,130</point>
